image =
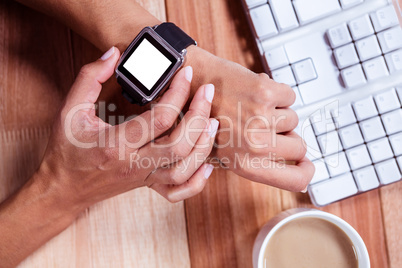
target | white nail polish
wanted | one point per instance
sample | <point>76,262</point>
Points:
<point>188,73</point>
<point>305,190</point>
<point>208,171</point>
<point>213,128</point>
<point>209,92</point>
<point>108,53</point>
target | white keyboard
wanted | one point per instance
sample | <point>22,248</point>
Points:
<point>343,58</point>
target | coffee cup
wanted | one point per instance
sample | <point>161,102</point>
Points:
<point>309,238</point>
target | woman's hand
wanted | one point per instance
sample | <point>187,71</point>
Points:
<point>256,138</point>
<point>87,160</point>
<point>90,160</point>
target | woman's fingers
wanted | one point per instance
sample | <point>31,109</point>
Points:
<point>284,120</point>
<point>279,174</point>
<point>151,124</point>
<point>88,85</point>
<point>180,143</point>
<point>181,171</point>
<point>285,96</point>
<point>185,135</point>
<point>192,187</point>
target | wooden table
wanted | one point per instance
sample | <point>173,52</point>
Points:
<point>39,59</point>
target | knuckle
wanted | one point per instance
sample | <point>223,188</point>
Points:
<point>182,89</point>
<point>86,71</point>
<point>300,151</point>
<point>293,120</point>
<point>163,122</point>
<point>179,151</point>
<point>175,176</point>
<point>198,187</point>
<point>264,77</point>
<point>292,94</point>
<point>301,183</point>
<point>111,154</point>
<point>199,113</point>
<point>172,198</point>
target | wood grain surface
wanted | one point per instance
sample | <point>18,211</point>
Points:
<point>39,59</point>
<point>224,220</point>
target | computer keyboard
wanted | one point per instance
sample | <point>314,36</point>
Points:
<point>343,59</point>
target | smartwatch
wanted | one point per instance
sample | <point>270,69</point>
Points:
<point>148,65</point>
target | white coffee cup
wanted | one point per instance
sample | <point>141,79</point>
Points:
<point>269,229</point>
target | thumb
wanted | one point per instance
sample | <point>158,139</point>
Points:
<point>88,85</point>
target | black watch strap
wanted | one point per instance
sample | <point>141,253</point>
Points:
<point>175,36</point>
<point>132,96</point>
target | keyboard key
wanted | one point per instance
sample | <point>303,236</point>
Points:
<point>311,10</point>
<point>387,101</point>
<point>350,3</point>
<point>388,172</point>
<point>252,3</point>
<point>322,123</point>
<point>332,190</point>
<point>313,149</point>
<point>368,48</point>
<point>351,136</point>
<point>304,71</point>
<point>392,121</point>
<point>399,91</point>
<point>284,75</point>
<point>399,159</point>
<point>358,157</point>
<point>384,18</point>
<point>337,164</point>
<point>284,14</point>
<point>394,61</point>
<point>263,21</point>
<point>344,116</point>
<point>346,56</point>
<point>365,108</point>
<point>361,27</point>
<point>390,39</point>
<point>321,172</point>
<point>366,178</point>
<point>372,129</point>
<point>276,58</point>
<point>339,36</point>
<point>396,142</point>
<point>329,143</point>
<point>353,76</point>
<point>375,68</point>
<point>380,150</point>
<point>298,101</point>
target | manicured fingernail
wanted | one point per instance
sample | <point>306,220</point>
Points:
<point>305,190</point>
<point>209,92</point>
<point>208,171</point>
<point>188,73</point>
<point>108,53</point>
<point>213,128</point>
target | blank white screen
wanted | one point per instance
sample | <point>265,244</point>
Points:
<point>147,64</point>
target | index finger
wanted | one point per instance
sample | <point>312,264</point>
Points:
<point>293,178</point>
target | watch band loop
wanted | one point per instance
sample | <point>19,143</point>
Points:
<point>175,36</point>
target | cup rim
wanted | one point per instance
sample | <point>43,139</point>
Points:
<point>359,245</point>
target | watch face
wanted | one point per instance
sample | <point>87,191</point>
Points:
<point>148,64</point>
